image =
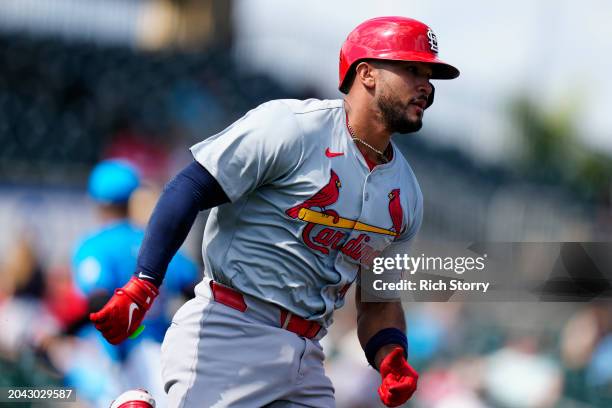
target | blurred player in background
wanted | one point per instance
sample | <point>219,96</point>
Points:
<point>105,260</point>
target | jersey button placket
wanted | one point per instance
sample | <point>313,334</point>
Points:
<point>366,198</point>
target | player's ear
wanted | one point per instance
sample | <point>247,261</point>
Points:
<point>366,74</point>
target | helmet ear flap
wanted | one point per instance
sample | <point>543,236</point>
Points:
<point>430,100</point>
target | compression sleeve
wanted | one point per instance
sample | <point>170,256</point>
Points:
<point>192,190</point>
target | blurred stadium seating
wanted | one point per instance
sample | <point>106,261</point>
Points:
<point>61,102</point>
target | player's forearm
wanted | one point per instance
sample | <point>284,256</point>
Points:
<point>191,191</point>
<point>372,317</point>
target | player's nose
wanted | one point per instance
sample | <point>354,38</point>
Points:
<point>425,87</point>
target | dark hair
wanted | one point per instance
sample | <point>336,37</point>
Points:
<point>349,78</point>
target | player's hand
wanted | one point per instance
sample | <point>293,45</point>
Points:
<point>123,313</point>
<point>399,380</point>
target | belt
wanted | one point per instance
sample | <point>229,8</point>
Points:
<point>288,321</point>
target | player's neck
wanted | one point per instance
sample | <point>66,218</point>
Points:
<point>365,123</point>
<point>109,214</point>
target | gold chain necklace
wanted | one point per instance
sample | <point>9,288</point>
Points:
<point>380,154</point>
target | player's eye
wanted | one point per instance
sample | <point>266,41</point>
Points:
<point>412,69</point>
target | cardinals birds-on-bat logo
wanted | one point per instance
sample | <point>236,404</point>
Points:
<point>326,230</point>
<point>324,197</point>
<point>395,210</point>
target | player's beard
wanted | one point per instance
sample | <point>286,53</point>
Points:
<point>394,116</point>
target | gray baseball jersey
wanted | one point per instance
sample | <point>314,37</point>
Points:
<point>306,211</point>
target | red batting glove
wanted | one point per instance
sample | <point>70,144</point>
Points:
<point>123,313</point>
<point>399,380</point>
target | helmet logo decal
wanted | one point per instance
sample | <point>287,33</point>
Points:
<point>433,41</point>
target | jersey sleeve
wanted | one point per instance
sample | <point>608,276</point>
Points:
<point>262,146</point>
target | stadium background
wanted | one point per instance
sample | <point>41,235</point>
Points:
<point>517,149</point>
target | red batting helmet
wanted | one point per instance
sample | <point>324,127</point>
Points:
<point>395,39</point>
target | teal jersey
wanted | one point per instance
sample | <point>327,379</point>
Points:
<point>106,260</point>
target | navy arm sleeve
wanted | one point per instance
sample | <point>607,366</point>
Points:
<point>192,190</point>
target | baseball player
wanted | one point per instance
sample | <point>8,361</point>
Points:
<point>304,194</point>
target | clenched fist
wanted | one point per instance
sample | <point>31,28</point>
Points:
<point>123,313</point>
<point>399,379</point>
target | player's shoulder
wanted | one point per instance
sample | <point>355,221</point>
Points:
<point>295,119</point>
<point>299,108</point>
<point>305,106</point>
<point>408,177</point>
<point>314,117</point>
<point>403,163</point>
